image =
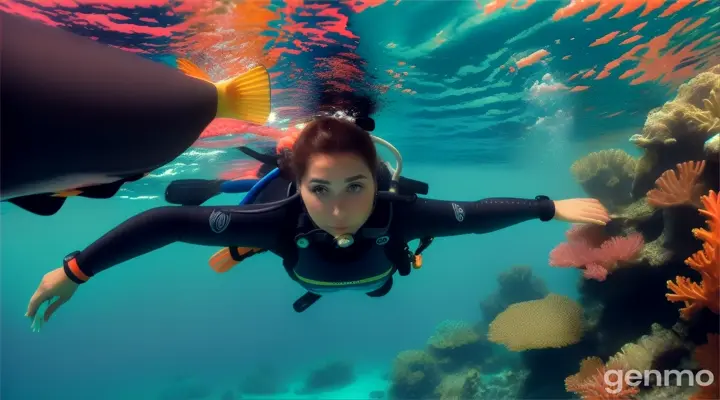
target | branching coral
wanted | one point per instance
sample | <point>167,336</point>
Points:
<point>707,356</point>
<point>588,248</point>
<point>598,380</point>
<point>641,354</point>
<point>590,383</point>
<point>606,175</point>
<point>706,262</point>
<point>708,119</point>
<point>678,189</point>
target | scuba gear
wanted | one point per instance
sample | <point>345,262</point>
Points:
<point>194,192</point>
<point>369,258</point>
<point>394,180</point>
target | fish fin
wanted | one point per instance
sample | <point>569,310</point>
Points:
<point>40,204</point>
<point>190,69</point>
<point>245,97</point>
<point>106,190</point>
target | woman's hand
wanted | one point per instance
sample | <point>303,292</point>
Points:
<point>582,211</point>
<point>54,284</point>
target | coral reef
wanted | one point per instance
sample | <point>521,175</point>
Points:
<point>332,376</point>
<point>503,386</point>
<point>712,148</point>
<point>611,380</point>
<point>708,358</point>
<point>664,234</point>
<point>515,285</point>
<point>456,345</point>
<point>463,385</point>
<point>706,262</point>
<point>452,366</point>
<point>678,189</point>
<point>596,254</point>
<point>415,375</point>
<point>649,288</point>
<point>607,175</point>
<point>677,131</point>
<point>553,321</point>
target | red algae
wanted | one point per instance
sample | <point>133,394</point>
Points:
<point>532,58</point>
<point>632,39</point>
<point>493,6</point>
<point>658,62</point>
<point>605,39</point>
<point>604,7</point>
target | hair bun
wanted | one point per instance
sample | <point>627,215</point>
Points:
<point>284,164</point>
<point>365,123</point>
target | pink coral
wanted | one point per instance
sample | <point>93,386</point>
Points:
<point>586,249</point>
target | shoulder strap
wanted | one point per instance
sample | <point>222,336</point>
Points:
<point>397,250</point>
<point>286,247</point>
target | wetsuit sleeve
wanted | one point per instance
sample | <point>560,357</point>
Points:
<point>437,218</point>
<point>153,229</point>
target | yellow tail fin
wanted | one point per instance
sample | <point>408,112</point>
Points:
<point>190,69</point>
<point>245,97</point>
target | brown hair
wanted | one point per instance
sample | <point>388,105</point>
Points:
<point>328,135</point>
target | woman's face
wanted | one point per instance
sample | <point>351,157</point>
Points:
<point>338,191</point>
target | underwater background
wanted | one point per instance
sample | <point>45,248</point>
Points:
<point>503,98</point>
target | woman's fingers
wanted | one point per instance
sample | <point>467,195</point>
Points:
<point>597,211</point>
<point>37,298</point>
<point>593,221</point>
<point>53,307</point>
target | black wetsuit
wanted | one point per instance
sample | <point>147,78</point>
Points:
<point>311,256</point>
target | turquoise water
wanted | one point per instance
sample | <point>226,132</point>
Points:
<point>166,326</point>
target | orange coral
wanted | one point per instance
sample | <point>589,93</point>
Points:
<point>707,356</point>
<point>590,382</point>
<point>673,190</point>
<point>706,262</point>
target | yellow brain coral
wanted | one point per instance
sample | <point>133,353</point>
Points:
<point>554,321</point>
<point>620,163</point>
<point>606,175</point>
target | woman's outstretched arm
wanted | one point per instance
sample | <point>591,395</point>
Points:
<point>437,218</point>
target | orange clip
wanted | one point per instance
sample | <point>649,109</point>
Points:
<point>67,193</point>
<point>417,264</point>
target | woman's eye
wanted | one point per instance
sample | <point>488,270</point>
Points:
<point>354,188</point>
<point>319,190</point>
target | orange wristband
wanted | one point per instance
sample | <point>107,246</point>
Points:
<point>75,269</point>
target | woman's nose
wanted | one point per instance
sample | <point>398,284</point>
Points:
<point>337,211</point>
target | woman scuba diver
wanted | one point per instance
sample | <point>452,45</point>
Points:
<point>328,217</point>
